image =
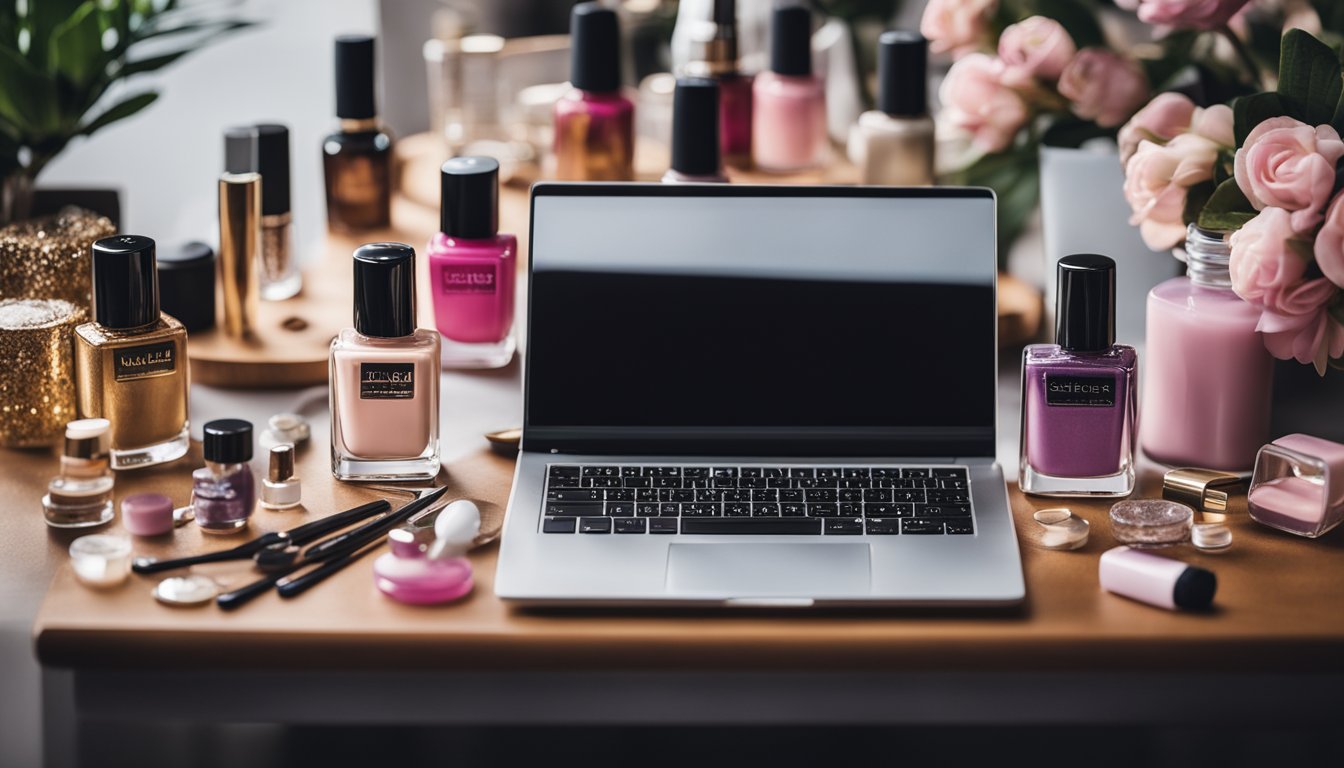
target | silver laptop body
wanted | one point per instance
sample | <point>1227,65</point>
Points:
<point>698,354</point>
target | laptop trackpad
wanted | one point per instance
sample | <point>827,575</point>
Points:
<point>773,570</point>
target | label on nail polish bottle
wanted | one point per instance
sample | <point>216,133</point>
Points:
<point>144,361</point>
<point>386,381</point>
<point>1095,391</point>
<point>468,278</point>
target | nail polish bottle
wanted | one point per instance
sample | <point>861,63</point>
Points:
<point>695,133</point>
<point>264,149</point>
<point>281,489</point>
<point>385,376</point>
<point>472,268</point>
<point>357,159</point>
<point>594,121</point>
<point>131,361</point>
<point>1078,398</point>
<point>714,55</point>
<point>224,492</point>
<point>81,495</point>
<point>788,101</point>
<point>893,144</point>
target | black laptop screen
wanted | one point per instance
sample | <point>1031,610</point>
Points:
<point>863,321</point>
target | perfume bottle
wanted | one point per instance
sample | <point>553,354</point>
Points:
<point>1078,398</point>
<point>714,55</point>
<point>81,495</point>
<point>472,268</point>
<point>224,492</point>
<point>695,133</point>
<point>594,121</point>
<point>281,489</point>
<point>264,149</point>
<point>893,144</point>
<point>131,361</point>
<point>789,102</point>
<point>356,160</point>
<point>385,376</point>
<point>1208,376</point>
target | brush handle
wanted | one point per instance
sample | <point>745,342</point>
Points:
<point>293,587</point>
<point>244,594</point>
<point>351,540</point>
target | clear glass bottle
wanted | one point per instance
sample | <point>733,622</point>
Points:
<point>1078,394</point>
<point>281,489</point>
<point>695,133</point>
<point>131,361</point>
<point>81,495</point>
<point>594,122</point>
<point>385,376</point>
<point>789,101</point>
<point>224,491</point>
<point>1208,377</point>
<point>893,145</point>
<point>357,159</point>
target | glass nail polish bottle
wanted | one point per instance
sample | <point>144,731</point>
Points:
<point>695,133</point>
<point>1078,394</point>
<point>131,361</point>
<point>281,489</point>
<point>594,121</point>
<point>81,495</point>
<point>472,268</point>
<point>357,159</point>
<point>224,492</point>
<point>789,102</point>
<point>385,376</point>
<point>893,144</point>
<point>714,55</point>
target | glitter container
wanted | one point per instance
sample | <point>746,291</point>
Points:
<point>37,384</point>
<point>1151,522</point>
<point>101,560</point>
<point>48,257</point>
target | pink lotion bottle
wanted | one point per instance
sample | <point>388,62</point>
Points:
<point>472,268</point>
<point>789,102</point>
<point>385,376</point>
<point>1208,381</point>
<point>594,122</point>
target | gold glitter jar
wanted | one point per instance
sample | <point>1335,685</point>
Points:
<point>48,257</point>
<point>37,381</point>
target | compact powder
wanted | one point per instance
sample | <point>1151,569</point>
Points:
<point>1151,522</point>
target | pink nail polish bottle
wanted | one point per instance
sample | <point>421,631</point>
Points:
<point>789,102</point>
<point>472,268</point>
<point>594,122</point>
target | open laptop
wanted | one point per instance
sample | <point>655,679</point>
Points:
<point>760,396</point>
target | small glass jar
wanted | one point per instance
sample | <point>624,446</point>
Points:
<point>1298,485</point>
<point>224,492</point>
<point>81,495</point>
<point>101,560</point>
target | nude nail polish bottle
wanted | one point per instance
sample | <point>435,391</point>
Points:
<point>385,376</point>
<point>789,101</point>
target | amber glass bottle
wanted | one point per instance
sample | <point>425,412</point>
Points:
<point>357,159</point>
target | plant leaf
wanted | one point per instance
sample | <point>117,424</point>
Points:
<point>76,46</point>
<point>1250,111</point>
<point>151,63</point>
<point>24,103</point>
<point>1195,199</point>
<point>1227,208</point>
<point>1310,80</point>
<point>119,111</point>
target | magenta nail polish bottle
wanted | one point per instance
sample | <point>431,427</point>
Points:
<point>594,122</point>
<point>472,267</point>
<point>1078,394</point>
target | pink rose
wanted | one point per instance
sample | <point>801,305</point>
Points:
<point>1157,181</point>
<point>1167,115</point>
<point>1035,48</point>
<point>1103,86</point>
<point>1314,337</point>
<point>956,25</point>
<point>1285,163</point>
<point>1215,124</point>
<point>976,100</point>
<point>1329,246</point>
<point>1190,14</point>
<point>1265,267</point>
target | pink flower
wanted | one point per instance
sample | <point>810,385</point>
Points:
<point>976,100</point>
<point>1035,48</point>
<point>1215,124</point>
<point>1161,120</point>
<point>1190,14</point>
<point>1266,268</point>
<point>1103,86</point>
<point>1288,164</point>
<point>956,25</point>
<point>1329,246</point>
<point>1312,338</point>
<point>1157,181</point>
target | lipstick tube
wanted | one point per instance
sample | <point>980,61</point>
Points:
<point>239,246</point>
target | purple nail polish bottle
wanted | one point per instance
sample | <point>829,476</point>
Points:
<point>1078,394</point>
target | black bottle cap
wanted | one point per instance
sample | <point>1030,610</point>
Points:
<point>228,441</point>
<point>273,165</point>
<point>1085,304</point>
<point>595,49</point>
<point>1194,589</point>
<point>187,284</point>
<point>354,78</point>
<point>725,13</point>
<point>695,127</point>
<point>240,149</point>
<point>902,73</point>
<point>791,41</point>
<point>125,282</point>
<point>385,290</point>
<point>469,197</point>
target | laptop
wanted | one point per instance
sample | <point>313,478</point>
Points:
<point>761,397</point>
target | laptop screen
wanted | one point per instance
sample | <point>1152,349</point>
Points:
<point>762,320</point>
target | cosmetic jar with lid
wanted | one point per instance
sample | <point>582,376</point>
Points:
<point>1298,485</point>
<point>1151,522</point>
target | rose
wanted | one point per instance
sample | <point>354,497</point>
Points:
<point>1314,337</point>
<point>956,25</point>
<point>976,100</point>
<point>1265,266</point>
<point>1103,86</point>
<point>1035,48</point>
<point>1193,14</point>
<point>1160,120</point>
<point>1215,124</point>
<point>1285,163</point>
<point>1157,182</point>
<point>1329,245</point>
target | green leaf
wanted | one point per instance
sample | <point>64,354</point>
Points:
<point>1195,200</point>
<point>24,93</point>
<point>150,64</point>
<point>76,46</point>
<point>1250,111</point>
<point>119,111</point>
<point>1226,209</point>
<point>1310,80</point>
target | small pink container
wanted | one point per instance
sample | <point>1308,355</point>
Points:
<point>147,514</point>
<point>1298,485</point>
<point>418,580</point>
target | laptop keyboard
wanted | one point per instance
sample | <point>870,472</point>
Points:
<point>831,501</point>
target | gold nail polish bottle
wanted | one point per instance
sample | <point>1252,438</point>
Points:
<point>131,361</point>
